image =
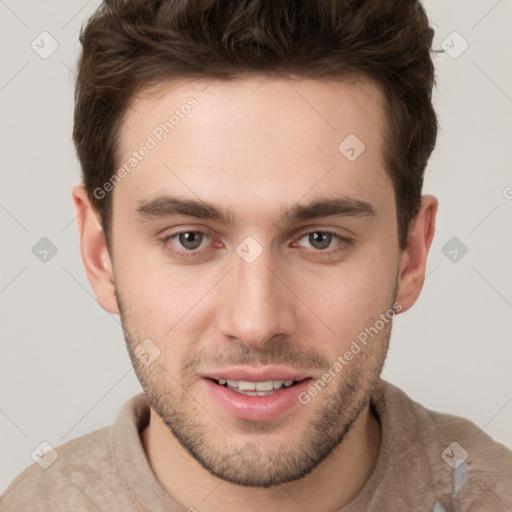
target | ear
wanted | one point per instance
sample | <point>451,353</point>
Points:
<point>414,257</point>
<point>93,247</point>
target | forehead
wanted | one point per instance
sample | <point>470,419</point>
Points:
<point>254,140</point>
<point>260,104</point>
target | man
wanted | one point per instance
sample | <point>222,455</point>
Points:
<point>252,209</point>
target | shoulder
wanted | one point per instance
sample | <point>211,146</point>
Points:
<point>470,460</point>
<point>82,474</point>
<point>60,478</point>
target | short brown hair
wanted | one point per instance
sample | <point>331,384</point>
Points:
<point>128,45</point>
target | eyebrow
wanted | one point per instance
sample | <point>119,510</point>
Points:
<point>164,206</point>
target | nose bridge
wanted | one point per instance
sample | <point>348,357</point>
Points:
<point>257,305</point>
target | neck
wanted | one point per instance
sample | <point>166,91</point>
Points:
<point>329,487</point>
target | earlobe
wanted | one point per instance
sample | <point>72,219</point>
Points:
<point>93,247</point>
<point>414,257</point>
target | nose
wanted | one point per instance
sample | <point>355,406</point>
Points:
<point>258,304</point>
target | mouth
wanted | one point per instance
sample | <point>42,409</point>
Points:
<point>256,400</point>
<point>255,396</point>
<point>255,393</point>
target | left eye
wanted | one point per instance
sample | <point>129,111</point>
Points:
<point>321,239</point>
<point>190,240</point>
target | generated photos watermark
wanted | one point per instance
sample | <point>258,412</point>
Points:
<point>355,348</point>
<point>151,142</point>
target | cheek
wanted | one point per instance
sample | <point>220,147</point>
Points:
<point>349,298</point>
<point>162,300</point>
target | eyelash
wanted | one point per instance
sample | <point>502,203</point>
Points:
<point>317,253</point>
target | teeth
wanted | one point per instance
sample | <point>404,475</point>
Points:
<point>267,385</point>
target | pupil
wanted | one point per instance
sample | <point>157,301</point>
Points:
<point>189,240</point>
<point>325,239</point>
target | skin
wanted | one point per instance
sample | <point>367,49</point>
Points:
<point>257,146</point>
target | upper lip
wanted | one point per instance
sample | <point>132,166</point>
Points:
<point>255,374</point>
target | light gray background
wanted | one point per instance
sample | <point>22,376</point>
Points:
<point>64,367</point>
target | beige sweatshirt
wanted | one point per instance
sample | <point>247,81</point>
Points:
<point>428,461</point>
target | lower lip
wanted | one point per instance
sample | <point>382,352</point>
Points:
<point>256,408</point>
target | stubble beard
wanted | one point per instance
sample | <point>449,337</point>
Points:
<point>336,409</point>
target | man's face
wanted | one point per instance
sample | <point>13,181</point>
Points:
<point>259,296</point>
